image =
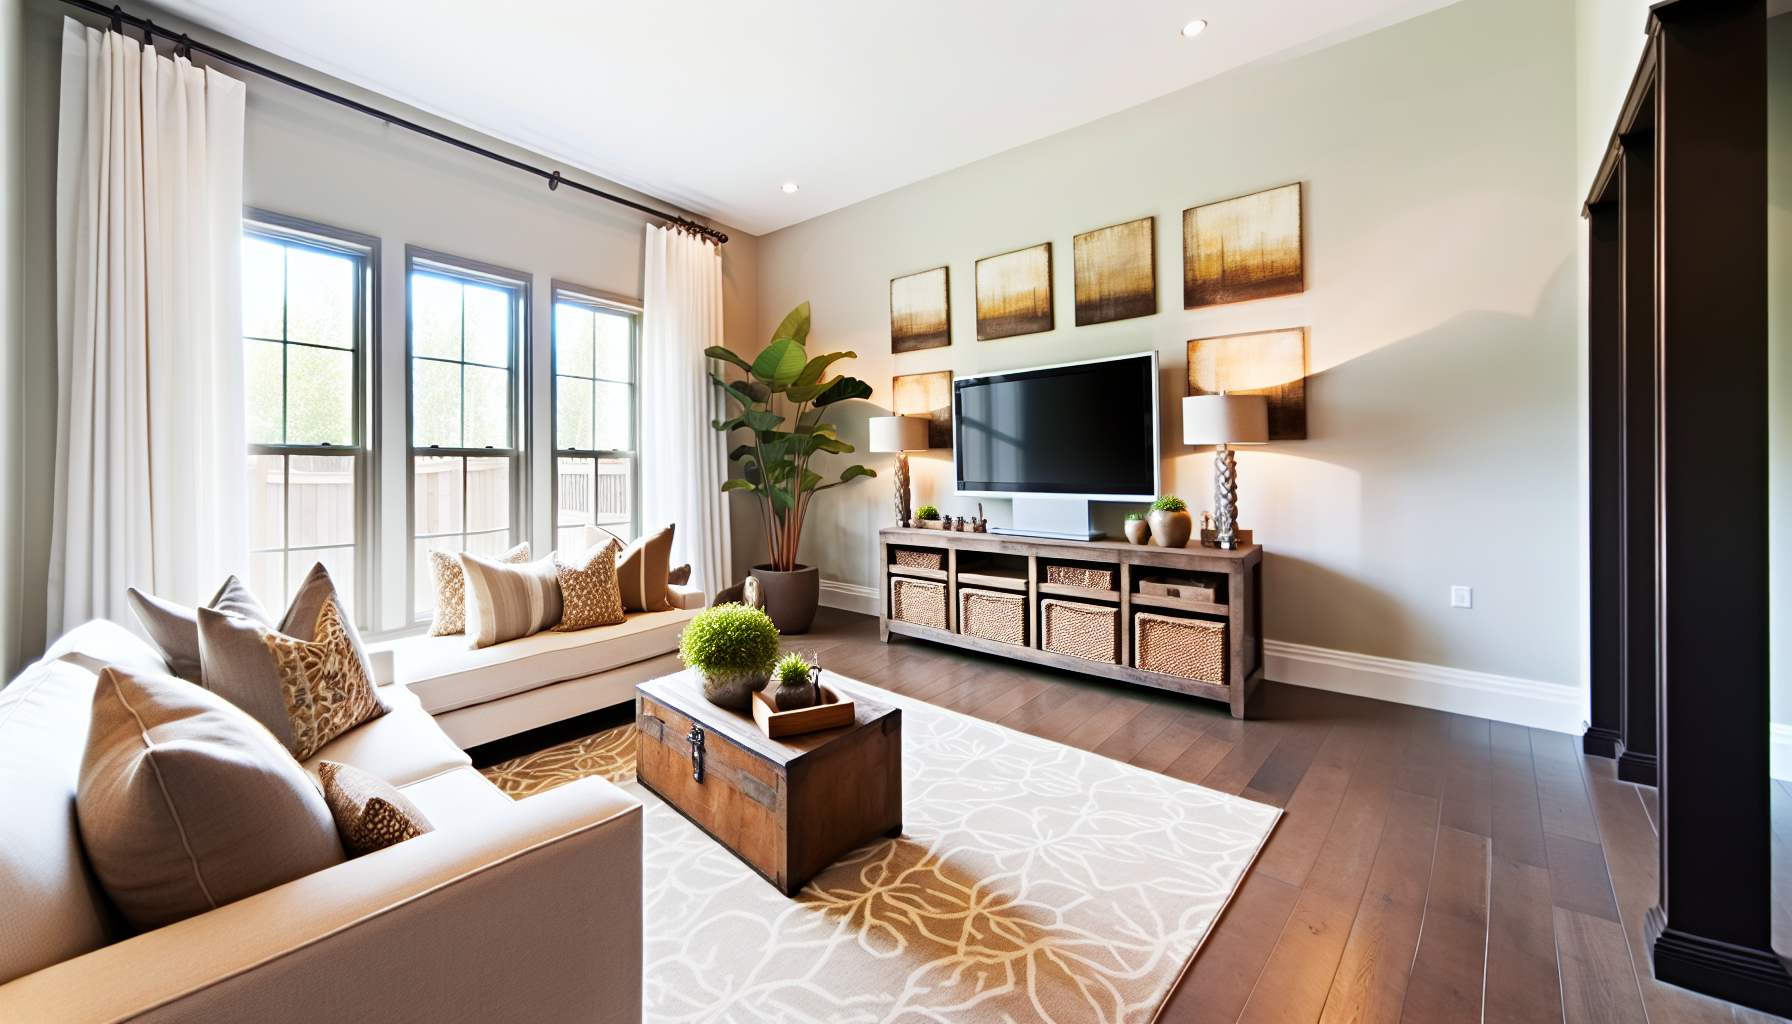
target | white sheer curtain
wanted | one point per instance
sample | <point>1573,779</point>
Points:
<point>683,459</point>
<point>150,441</point>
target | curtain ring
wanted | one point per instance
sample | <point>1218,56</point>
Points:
<point>554,182</point>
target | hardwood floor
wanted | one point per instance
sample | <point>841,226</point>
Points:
<point>1431,867</point>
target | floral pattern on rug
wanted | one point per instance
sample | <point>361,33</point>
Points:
<point>609,754</point>
<point>1034,882</point>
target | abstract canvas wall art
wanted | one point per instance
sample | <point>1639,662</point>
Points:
<point>1116,272</point>
<point>921,311</point>
<point>1244,248</point>
<point>930,395</point>
<point>1269,363</point>
<point>1014,293</point>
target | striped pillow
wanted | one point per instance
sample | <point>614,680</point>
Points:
<point>506,602</point>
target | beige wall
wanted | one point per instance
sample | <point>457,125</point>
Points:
<point>1439,157</point>
<point>309,159</point>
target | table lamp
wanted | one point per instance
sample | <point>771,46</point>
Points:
<point>1223,420</point>
<point>899,434</point>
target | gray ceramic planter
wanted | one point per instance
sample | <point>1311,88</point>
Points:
<point>790,597</point>
<point>1170,529</point>
<point>733,689</point>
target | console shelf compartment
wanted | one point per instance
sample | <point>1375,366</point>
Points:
<point>1018,565</point>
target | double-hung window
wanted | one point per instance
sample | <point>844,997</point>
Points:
<point>305,329</point>
<point>594,418</point>
<point>466,443</point>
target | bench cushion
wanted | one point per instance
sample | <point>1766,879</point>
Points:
<point>401,746</point>
<point>445,675</point>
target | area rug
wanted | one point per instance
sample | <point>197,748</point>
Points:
<point>1033,882</point>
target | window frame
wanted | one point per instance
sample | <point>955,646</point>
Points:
<point>520,284</point>
<point>364,411</point>
<point>596,299</point>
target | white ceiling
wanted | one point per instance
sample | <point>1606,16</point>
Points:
<point>713,104</point>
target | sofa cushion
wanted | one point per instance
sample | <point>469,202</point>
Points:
<point>445,675</point>
<point>100,642</point>
<point>401,746</point>
<point>51,906</point>
<point>457,799</point>
<point>642,568</point>
<point>371,814</point>
<point>174,628</point>
<point>186,803</point>
<point>509,602</point>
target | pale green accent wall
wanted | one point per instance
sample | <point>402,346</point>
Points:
<point>1440,160</point>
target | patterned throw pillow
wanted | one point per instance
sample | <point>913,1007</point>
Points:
<point>589,594</point>
<point>326,689</point>
<point>509,602</point>
<point>371,814</point>
<point>451,588</point>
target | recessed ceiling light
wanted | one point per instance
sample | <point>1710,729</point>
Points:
<point>1194,28</point>
<point>789,186</point>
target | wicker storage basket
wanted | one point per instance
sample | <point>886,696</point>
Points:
<point>993,615</point>
<point>922,602</point>
<point>1077,576</point>
<point>1080,630</point>
<point>912,558</point>
<point>1190,648</point>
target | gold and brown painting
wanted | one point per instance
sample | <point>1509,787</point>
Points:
<point>1244,248</point>
<point>920,311</point>
<point>1116,272</point>
<point>1014,293</point>
<point>929,395</point>
<point>1268,363</point>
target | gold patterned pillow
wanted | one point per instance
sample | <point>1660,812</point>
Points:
<point>451,588</point>
<point>371,814</point>
<point>326,690</point>
<point>589,593</point>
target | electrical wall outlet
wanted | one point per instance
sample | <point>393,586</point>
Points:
<point>1462,597</point>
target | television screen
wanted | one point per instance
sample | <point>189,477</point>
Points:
<point>1084,429</point>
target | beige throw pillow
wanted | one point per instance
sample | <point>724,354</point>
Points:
<point>588,590</point>
<point>641,570</point>
<point>186,804</point>
<point>451,588</point>
<point>371,814</point>
<point>508,602</point>
<point>174,629</point>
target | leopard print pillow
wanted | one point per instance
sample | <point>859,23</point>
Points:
<point>589,593</point>
<point>326,690</point>
<point>370,813</point>
<point>451,588</point>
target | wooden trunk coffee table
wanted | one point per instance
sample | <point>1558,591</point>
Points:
<point>788,807</point>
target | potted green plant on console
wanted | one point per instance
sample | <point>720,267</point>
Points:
<point>775,463</point>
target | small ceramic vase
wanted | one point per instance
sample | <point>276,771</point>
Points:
<point>733,689</point>
<point>1138,531</point>
<point>1170,529</point>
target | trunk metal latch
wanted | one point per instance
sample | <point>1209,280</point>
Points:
<point>695,739</point>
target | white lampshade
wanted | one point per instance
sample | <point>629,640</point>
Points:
<point>1224,419</point>
<point>898,433</point>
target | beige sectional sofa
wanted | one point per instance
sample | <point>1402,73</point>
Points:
<point>477,696</point>
<point>508,910</point>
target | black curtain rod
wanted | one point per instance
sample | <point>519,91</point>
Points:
<point>554,178</point>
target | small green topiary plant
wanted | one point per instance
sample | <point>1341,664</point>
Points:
<point>790,669</point>
<point>1134,516</point>
<point>927,512</point>
<point>1169,503</point>
<point>730,639</point>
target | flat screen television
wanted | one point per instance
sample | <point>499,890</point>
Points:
<point>1054,438</point>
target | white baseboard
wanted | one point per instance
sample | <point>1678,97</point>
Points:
<point>1481,694</point>
<point>850,597</point>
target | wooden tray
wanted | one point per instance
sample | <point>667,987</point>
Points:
<point>775,723</point>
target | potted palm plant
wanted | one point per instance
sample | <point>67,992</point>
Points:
<point>775,462</point>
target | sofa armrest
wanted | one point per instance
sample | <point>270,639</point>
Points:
<point>531,912</point>
<point>385,670</point>
<point>685,597</point>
